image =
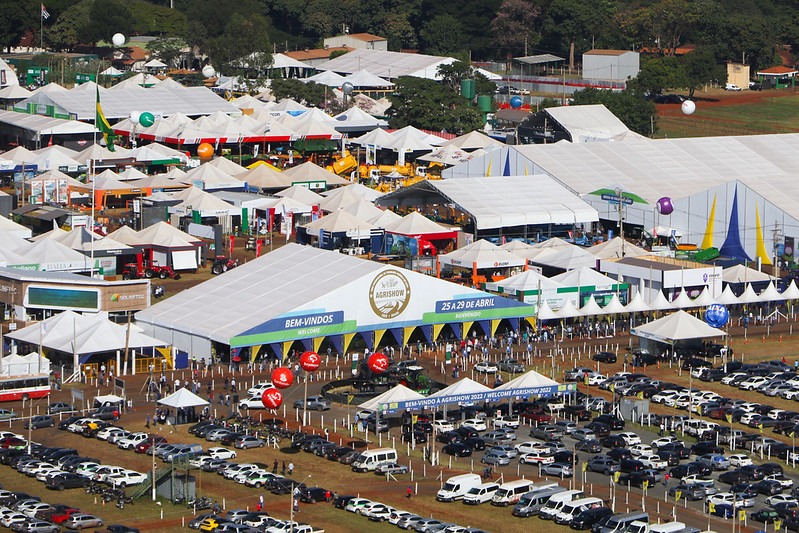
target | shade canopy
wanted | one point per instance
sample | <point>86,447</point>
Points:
<point>182,398</point>
<point>677,326</point>
<point>399,393</point>
<point>481,254</point>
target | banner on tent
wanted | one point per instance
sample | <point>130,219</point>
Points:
<point>489,396</point>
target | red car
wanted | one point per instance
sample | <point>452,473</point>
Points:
<point>539,417</point>
<point>142,447</point>
<point>12,442</point>
<point>60,517</point>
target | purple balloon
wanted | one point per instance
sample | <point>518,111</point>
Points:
<point>664,206</point>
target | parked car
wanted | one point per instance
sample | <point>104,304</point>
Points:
<point>318,403</point>
<point>40,421</point>
<point>82,520</point>
<point>605,357</point>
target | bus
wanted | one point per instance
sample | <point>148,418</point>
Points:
<point>15,388</point>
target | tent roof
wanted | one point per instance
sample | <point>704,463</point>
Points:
<point>584,277</point>
<point>339,222</point>
<point>637,304</point>
<point>528,380</point>
<point>44,126</point>
<point>414,223</point>
<point>472,141</point>
<point>377,137</point>
<point>356,189</point>
<point>355,119</point>
<point>125,235</point>
<point>301,194</point>
<point>613,248</point>
<point>182,397</point>
<point>310,171</point>
<point>675,327</point>
<point>398,393</point>
<point>365,79</point>
<point>590,123</point>
<point>484,254</point>
<point>163,234</point>
<point>462,386</point>
<point>447,155</point>
<point>364,210</point>
<point>743,274</point>
<point>529,280</point>
<point>565,257</point>
<point>261,295</point>
<point>194,199</point>
<point>326,77</point>
<point>8,225</point>
<point>212,178</point>
<point>536,200</point>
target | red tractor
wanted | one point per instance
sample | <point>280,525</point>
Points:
<point>223,264</point>
<point>145,270</point>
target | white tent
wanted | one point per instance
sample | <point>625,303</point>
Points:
<point>637,304</point>
<point>545,312</point>
<point>770,294</point>
<point>614,306</point>
<point>565,257</point>
<point>399,393</point>
<point>481,254</point>
<point>590,308</point>
<point>365,79</point>
<point>743,274</point>
<point>326,77</point>
<point>728,297</point>
<point>474,140</point>
<point>414,223</point>
<point>791,292</point>
<point>9,227</point>
<point>528,380</point>
<point>301,194</point>
<point>749,296</point>
<point>613,248</point>
<point>355,189</point>
<point>704,299</point>
<point>341,222</point>
<point>586,278</point>
<point>461,387</point>
<point>683,301</point>
<point>660,303</point>
<point>676,327</point>
<point>182,398</point>
<point>24,365</point>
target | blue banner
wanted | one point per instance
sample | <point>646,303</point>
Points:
<point>489,396</point>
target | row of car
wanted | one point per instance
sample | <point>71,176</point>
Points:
<point>380,512</point>
<point>244,521</point>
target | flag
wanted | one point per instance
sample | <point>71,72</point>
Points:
<point>711,507</point>
<point>742,516</point>
<point>102,124</point>
<point>777,525</point>
<point>45,14</point>
<point>645,485</point>
<point>678,495</point>
<point>729,418</point>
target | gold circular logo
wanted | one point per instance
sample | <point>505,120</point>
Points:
<point>389,294</point>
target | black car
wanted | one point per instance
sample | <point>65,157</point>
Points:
<point>613,441</point>
<point>589,517</point>
<point>467,432</point>
<point>458,449</point>
<point>601,523</point>
<point>765,515</point>
<point>771,468</point>
<point>768,487</point>
<point>757,472</point>
<point>449,437</point>
<point>340,502</point>
<point>671,458</point>
<point>313,494</point>
<point>588,445</point>
<point>475,443</point>
<point>600,429</point>
<point>67,480</point>
<point>620,454</point>
<point>695,362</point>
<point>605,357</point>
<point>417,436</point>
<point>680,471</point>
<point>337,452</point>
<point>705,447</point>
<point>614,422</point>
<point>676,447</point>
<point>637,479</point>
<point>733,477</point>
<point>64,424</point>
<point>631,465</point>
<point>119,528</point>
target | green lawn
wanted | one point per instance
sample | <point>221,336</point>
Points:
<point>770,115</point>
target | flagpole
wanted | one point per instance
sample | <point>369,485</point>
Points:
<point>41,30</point>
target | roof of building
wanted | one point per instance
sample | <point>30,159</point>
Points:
<point>598,52</point>
<point>368,37</point>
<point>317,53</point>
<point>779,70</point>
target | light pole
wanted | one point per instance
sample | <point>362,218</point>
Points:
<point>294,495</point>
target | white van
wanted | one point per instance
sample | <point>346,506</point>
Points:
<point>370,459</point>
<point>456,487</point>
<point>556,503</point>
<point>510,492</point>
<point>480,494</point>
<point>575,507</point>
<point>532,502</point>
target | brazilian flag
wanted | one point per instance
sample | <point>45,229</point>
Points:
<point>101,123</point>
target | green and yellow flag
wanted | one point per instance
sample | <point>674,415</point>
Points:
<point>102,124</point>
<point>741,515</point>
<point>777,525</point>
<point>616,476</point>
<point>678,495</point>
<point>645,485</point>
<point>711,507</point>
<point>729,418</point>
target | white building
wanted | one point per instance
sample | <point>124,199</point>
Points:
<point>611,65</point>
<point>364,41</point>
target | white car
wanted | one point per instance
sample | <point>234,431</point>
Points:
<point>397,515</point>
<point>486,367</point>
<point>105,433</point>
<point>507,421</point>
<point>641,449</point>
<point>221,453</point>
<point>785,482</point>
<point>729,378</point>
<point>653,461</point>
<point>356,503</point>
<point>748,417</point>
<point>126,478</point>
<point>662,441</point>
<point>661,397</point>
<point>259,388</point>
<point>200,460</point>
<point>738,460</point>
<point>442,426</point>
<point>132,440</point>
<point>253,402</point>
<point>364,414</point>
<point>781,498</point>
<point>537,457</point>
<point>752,383</point>
<point>476,424</point>
<point>630,438</point>
<point>13,518</point>
<point>530,446</point>
<point>738,501</point>
<point>596,379</point>
<point>731,87</point>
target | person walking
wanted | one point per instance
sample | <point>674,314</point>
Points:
<point>147,422</point>
<point>283,472</point>
<point>409,492</point>
<point>274,467</point>
<point>291,468</point>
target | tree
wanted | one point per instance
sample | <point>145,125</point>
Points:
<point>658,74</point>
<point>16,18</point>
<point>574,20</point>
<point>442,35</point>
<point>157,20</point>
<point>454,73</point>
<point>65,34</point>
<point>426,104</point>
<point>106,17</point>
<point>514,27</point>
<point>699,68</point>
<point>629,106</point>
<point>243,48</point>
<point>168,49</point>
<point>311,94</point>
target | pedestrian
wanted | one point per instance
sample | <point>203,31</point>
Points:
<point>666,479</point>
<point>283,472</point>
<point>147,422</point>
<point>409,492</point>
<point>291,468</point>
<point>258,507</point>
<point>296,505</point>
<point>274,467</point>
<point>328,496</point>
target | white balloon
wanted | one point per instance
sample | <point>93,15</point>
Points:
<point>208,71</point>
<point>118,39</point>
<point>688,107</point>
<point>134,116</point>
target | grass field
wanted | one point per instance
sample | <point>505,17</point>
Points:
<point>759,114</point>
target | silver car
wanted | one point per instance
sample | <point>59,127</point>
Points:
<point>318,403</point>
<point>498,459</point>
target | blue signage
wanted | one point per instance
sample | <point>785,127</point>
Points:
<point>313,320</point>
<point>488,396</point>
<point>614,199</point>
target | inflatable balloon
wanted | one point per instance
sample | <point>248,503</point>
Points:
<point>664,206</point>
<point>717,316</point>
<point>146,119</point>
<point>282,377</point>
<point>310,361</point>
<point>209,71</point>
<point>205,151</point>
<point>135,116</point>
<point>118,39</point>
<point>378,363</point>
<point>272,398</point>
<point>347,88</point>
<point>516,102</point>
<point>688,107</point>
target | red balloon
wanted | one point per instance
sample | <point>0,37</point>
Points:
<point>378,363</point>
<point>282,377</point>
<point>310,361</point>
<point>272,398</point>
